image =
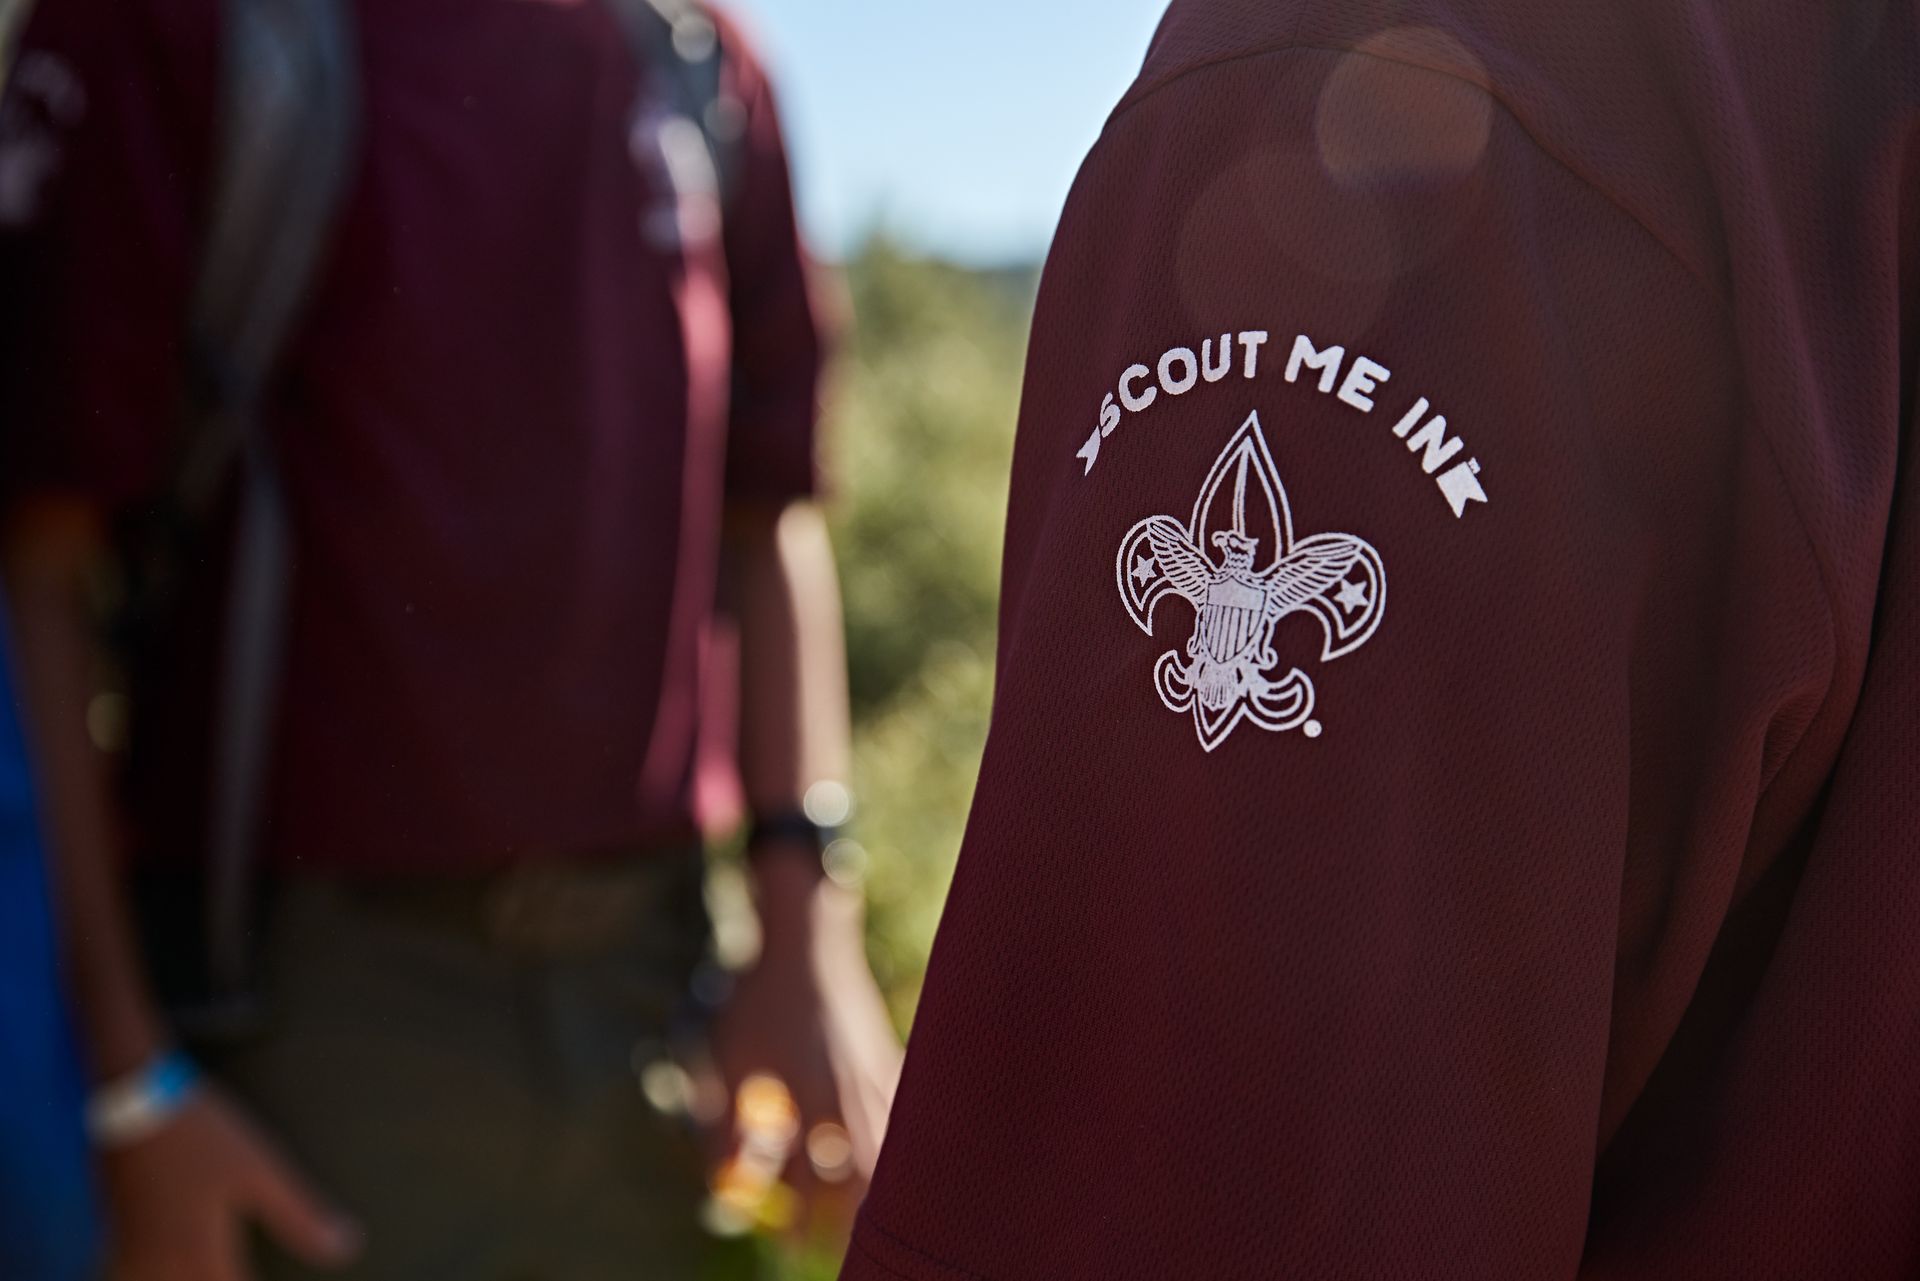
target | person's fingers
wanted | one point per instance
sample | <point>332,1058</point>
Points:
<point>832,1153</point>
<point>829,1182</point>
<point>204,1249</point>
<point>221,1253</point>
<point>295,1216</point>
<point>798,1171</point>
<point>866,1065</point>
<point>865,1108</point>
<point>865,1084</point>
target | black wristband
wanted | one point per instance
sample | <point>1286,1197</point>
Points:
<point>791,827</point>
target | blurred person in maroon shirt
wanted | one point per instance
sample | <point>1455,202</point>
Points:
<point>1450,807</point>
<point>535,413</point>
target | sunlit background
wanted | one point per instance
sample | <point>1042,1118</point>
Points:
<point>955,128</point>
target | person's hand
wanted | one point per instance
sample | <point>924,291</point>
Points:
<point>810,1014</point>
<point>180,1201</point>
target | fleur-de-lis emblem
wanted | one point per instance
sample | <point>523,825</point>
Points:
<point>1226,672</point>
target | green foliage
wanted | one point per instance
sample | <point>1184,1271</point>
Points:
<point>921,414</point>
<point>920,418</point>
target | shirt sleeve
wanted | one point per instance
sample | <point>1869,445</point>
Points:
<point>777,339</point>
<point>104,136</point>
<point>1410,663</point>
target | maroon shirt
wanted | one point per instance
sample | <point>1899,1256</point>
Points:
<point>508,424</point>
<point>1497,857</point>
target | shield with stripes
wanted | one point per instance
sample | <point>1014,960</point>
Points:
<point>1230,618</point>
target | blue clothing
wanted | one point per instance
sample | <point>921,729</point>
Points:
<point>48,1224</point>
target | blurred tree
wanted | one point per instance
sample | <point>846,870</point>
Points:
<point>920,419</point>
<point>921,415</point>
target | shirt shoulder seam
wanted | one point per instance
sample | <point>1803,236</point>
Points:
<point>867,1224</point>
<point>1139,96</point>
<point>864,1251</point>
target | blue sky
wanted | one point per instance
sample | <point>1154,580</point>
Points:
<point>957,127</point>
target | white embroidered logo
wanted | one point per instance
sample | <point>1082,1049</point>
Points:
<point>1225,674</point>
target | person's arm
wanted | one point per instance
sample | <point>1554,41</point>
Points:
<point>785,592</point>
<point>49,546</point>
<point>809,1012</point>
<point>181,1195</point>
<point>97,247</point>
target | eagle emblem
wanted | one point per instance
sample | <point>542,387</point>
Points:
<point>1256,575</point>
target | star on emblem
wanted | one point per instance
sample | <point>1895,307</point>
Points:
<point>1229,670</point>
<point>1352,596</point>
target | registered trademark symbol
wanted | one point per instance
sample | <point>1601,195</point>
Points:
<point>1313,729</point>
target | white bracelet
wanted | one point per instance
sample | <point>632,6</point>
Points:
<point>136,1106</point>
